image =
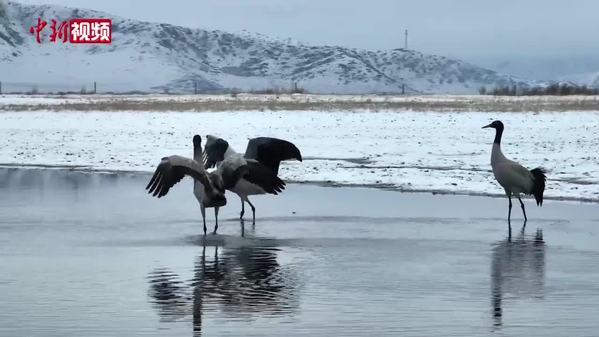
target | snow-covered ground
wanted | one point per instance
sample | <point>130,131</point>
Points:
<point>428,151</point>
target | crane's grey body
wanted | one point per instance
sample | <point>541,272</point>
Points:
<point>262,159</point>
<point>198,188</point>
<point>226,175</point>
<point>513,177</point>
<point>207,187</point>
<point>244,188</point>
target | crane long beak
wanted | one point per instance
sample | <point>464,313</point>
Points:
<point>486,126</point>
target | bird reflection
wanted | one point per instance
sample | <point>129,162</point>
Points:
<point>169,295</point>
<point>517,270</point>
<point>244,283</point>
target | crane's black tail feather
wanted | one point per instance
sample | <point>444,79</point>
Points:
<point>538,186</point>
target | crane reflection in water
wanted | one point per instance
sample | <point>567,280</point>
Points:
<point>517,271</point>
<point>244,282</point>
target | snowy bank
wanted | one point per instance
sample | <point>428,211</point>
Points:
<point>416,151</point>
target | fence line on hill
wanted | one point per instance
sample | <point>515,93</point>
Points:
<point>34,88</point>
<point>187,87</point>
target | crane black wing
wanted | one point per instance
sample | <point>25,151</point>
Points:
<point>170,171</point>
<point>231,176</point>
<point>263,176</point>
<point>214,151</point>
<point>271,151</point>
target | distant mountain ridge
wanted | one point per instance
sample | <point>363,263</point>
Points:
<point>156,57</point>
<point>590,79</point>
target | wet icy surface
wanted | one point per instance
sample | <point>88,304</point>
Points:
<point>426,151</point>
<point>93,255</point>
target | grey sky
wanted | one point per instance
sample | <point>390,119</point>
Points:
<point>474,30</point>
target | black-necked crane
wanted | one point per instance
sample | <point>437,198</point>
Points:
<point>208,188</point>
<point>513,177</point>
<point>262,157</point>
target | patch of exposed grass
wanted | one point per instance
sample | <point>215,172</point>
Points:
<point>417,103</point>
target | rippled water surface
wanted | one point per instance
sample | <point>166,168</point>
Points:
<point>86,254</point>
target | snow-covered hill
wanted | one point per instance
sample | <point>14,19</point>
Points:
<point>590,79</point>
<point>153,56</point>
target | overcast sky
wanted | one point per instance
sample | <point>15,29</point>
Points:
<point>468,29</point>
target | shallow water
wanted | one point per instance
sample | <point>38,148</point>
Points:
<point>86,254</point>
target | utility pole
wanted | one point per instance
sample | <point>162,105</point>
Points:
<point>195,87</point>
<point>406,40</point>
<point>0,87</point>
<point>95,87</point>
